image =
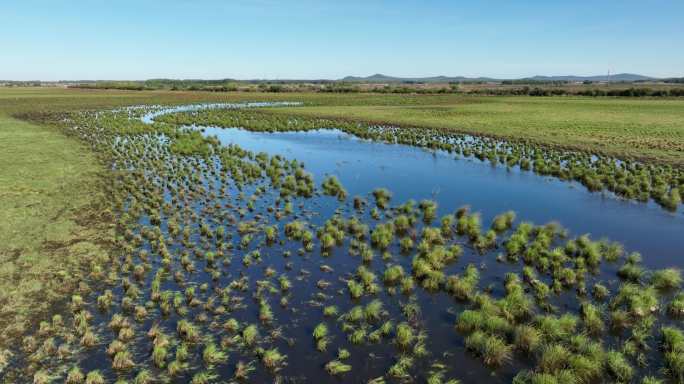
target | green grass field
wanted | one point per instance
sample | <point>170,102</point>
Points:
<point>49,183</point>
<point>649,129</point>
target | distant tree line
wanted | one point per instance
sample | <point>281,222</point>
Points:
<point>595,92</point>
<point>542,89</point>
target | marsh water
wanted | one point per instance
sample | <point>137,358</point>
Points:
<point>415,173</point>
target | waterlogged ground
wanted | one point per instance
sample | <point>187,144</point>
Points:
<point>240,259</point>
<point>414,173</point>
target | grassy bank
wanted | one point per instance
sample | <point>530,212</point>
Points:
<point>48,184</point>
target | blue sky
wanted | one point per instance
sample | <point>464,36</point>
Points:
<point>126,39</point>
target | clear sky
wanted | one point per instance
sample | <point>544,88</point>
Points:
<point>126,39</point>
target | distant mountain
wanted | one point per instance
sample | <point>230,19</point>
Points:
<point>380,78</point>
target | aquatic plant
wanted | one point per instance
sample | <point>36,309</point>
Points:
<point>320,331</point>
<point>669,278</point>
<point>401,367</point>
<point>463,287</point>
<point>673,346</point>
<point>337,367</point>
<point>330,311</point>
<point>212,355</point>
<point>676,306</point>
<point>203,377</point>
<point>332,187</point>
<point>272,359</point>
<point>242,370</point>
<point>393,274</point>
<point>429,210</point>
<point>75,376</point>
<point>600,292</point>
<point>373,310</point>
<point>404,335</point>
<point>619,367</point>
<point>503,221</point>
<point>591,317</point>
<point>94,377</point>
<point>382,197</point>
<point>527,338</point>
<point>493,349</point>
<point>250,334</point>
<point>382,235</point>
<point>123,361</point>
<point>355,289</point>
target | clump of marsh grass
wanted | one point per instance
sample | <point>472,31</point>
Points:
<point>382,235</point>
<point>400,369</point>
<point>75,376</point>
<point>673,347</point>
<point>676,306</point>
<point>144,376</point>
<point>321,338</point>
<point>618,367</point>
<point>42,377</point>
<point>123,361</point>
<point>332,187</point>
<point>667,279</point>
<point>555,328</point>
<point>470,225</point>
<point>591,317</point>
<point>159,354</point>
<point>373,310</point>
<point>212,355</point>
<point>600,292</point>
<point>94,377</point>
<point>242,370</point>
<point>204,377</point>
<point>638,301</point>
<point>462,287</point>
<point>355,289</point>
<point>382,197</point>
<point>429,210</point>
<point>330,311</point>
<point>250,334</point>
<point>554,358</point>
<point>503,222</point>
<point>527,338</point>
<point>273,359</point>
<point>631,270</point>
<point>406,244</point>
<point>493,349</point>
<point>393,274</point>
<point>336,367</point>
<point>404,335</point>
